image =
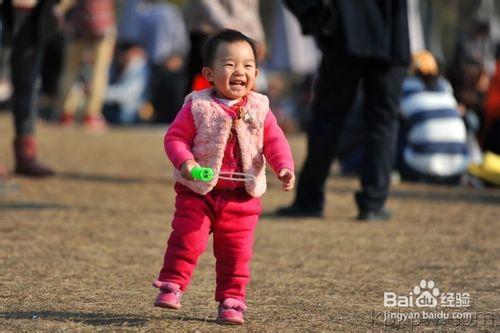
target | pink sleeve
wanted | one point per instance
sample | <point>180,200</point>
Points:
<point>179,137</point>
<point>276,148</point>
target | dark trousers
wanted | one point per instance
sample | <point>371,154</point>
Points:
<point>167,92</point>
<point>25,61</point>
<point>195,62</point>
<point>52,64</point>
<point>337,82</point>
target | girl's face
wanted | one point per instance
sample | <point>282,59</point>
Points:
<point>233,70</point>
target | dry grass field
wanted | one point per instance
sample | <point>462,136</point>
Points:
<point>78,251</point>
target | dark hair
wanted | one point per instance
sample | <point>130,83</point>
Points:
<point>228,36</point>
<point>126,45</point>
<point>431,82</point>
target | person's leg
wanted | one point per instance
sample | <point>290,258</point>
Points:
<point>25,65</point>
<point>72,63</point>
<point>50,74</point>
<point>383,91</point>
<point>188,240</point>
<point>233,242</point>
<point>334,92</point>
<point>52,62</point>
<point>189,237</point>
<point>103,54</point>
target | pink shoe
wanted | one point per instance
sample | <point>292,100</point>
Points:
<point>169,296</point>
<point>231,312</point>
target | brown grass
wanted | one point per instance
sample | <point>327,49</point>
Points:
<point>79,251</point>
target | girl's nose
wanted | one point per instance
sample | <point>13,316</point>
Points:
<point>239,70</point>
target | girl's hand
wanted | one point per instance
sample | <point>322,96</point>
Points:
<point>287,177</point>
<point>186,168</point>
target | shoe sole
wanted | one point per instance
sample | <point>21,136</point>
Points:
<point>167,305</point>
<point>230,322</point>
<point>374,218</point>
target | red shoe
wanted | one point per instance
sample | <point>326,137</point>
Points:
<point>67,120</point>
<point>170,295</point>
<point>231,312</point>
<point>26,163</point>
<point>95,124</point>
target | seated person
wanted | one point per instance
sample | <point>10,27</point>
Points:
<point>432,142</point>
<point>128,86</point>
<point>159,28</point>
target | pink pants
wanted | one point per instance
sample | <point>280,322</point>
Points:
<point>231,216</point>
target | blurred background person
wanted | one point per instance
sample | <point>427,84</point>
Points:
<point>90,28</point>
<point>433,139</point>
<point>492,111</point>
<point>5,84</point>
<point>127,91</point>
<point>470,70</point>
<point>290,50</point>
<point>27,26</point>
<point>421,27</point>
<point>359,43</point>
<point>205,17</point>
<point>291,63</point>
<point>159,28</point>
<point>52,66</point>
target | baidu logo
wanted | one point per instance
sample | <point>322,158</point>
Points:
<point>427,295</point>
<point>423,295</point>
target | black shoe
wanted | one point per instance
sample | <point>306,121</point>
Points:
<point>375,215</point>
<point>299,211</point>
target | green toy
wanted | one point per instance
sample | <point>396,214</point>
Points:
<point>205,174</point>
<point>202,173</point>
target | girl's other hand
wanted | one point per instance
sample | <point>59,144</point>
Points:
<point>287,177</point>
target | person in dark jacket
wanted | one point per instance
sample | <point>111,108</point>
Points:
<point>361,41</point>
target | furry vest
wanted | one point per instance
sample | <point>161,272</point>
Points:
<point>213,127</point>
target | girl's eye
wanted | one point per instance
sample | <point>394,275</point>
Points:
<point>228,64</point>
<point>248,66</point>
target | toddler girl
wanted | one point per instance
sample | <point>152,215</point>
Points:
<point>228,128</point>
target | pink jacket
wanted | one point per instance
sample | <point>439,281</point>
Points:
<point>202,128</point>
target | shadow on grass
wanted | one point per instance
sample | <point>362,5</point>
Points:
<point>94,319</point>
<point>31,205</point>
<point>194,319</point>
<point>271,215</point>
<point>435,193</point>
<point>488,198</point>
<point>118,179</point>
<point>111,179</point>
<point>98,319</point>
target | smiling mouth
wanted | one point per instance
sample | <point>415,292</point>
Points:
<point>237,83</point>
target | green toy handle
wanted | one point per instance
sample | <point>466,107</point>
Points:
<point>202,173</point>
